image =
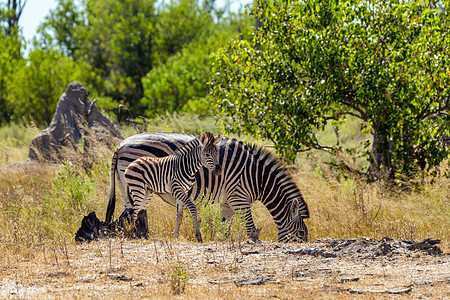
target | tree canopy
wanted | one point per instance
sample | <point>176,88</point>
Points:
<point>111,47</point>
<point>315,62</point>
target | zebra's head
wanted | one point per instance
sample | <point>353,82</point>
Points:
<point>209,154</point>
<point>296,227</point>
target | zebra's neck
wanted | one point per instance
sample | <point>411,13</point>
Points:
<point>275,186</point>
<point>188,159</point>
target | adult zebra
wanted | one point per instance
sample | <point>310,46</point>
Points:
<point>174,175</point>
<point>249,173</point>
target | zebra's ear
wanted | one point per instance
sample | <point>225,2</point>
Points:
<point>203,138</point>
<point>294,208</point>
<point>218,138</point>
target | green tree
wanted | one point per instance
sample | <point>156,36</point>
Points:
<point>179,23</point>
<point>312,62</point>
<point>180,84</point>
<point>10,58</point>
<point>37,83</point>
<point>11,44</point>
<point>113,37</point>
<point>122,41</point>
<point>10,14</point>
<point>180,80</point>
<point>118,41</point>
<point>59,30</point>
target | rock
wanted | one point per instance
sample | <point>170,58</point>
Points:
<point>76,116</point>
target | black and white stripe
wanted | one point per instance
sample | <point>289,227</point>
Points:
<point>249,173</point>
<point>173,175</point>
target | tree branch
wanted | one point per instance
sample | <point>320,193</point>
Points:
<point>341,113</point>
<point>440,110</point>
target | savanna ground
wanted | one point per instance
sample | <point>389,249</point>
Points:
<point>41,207</point>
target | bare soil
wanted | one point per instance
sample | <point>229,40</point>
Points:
<point>331,268</point>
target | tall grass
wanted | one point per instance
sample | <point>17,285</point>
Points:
<point>14,142</point>
<point>47,202</point>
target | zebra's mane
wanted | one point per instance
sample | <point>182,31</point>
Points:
<point>187,147</point>
<point>259,152</point>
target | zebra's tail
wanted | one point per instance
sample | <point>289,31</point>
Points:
<point>112,188</point>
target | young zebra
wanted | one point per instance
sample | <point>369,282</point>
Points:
<point>173,175</point>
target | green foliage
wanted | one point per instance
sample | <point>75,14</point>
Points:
<point>71,193</point>
<point>180,84</point>
<point>114,38</point>
<point>43,77</point>
<point>60,28</point>
<point>10,55</point>
<point>181,79</point>
<point>179,23</point>
<point>311,62</point>
<point>118,41</point>
<point>122,41</point>
<point>178,279</point>
<point>110,47</point>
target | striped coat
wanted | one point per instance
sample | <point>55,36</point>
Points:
<point>249,173</point>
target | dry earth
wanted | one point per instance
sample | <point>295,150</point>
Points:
<point>118,268</point>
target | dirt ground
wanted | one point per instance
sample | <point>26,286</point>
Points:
<point>332,268</point>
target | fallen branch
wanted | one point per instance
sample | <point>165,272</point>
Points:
<point>386,291</point>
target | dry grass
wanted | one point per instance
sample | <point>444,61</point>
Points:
<point>14,142</point>
<point>122,269</point>
<point>41,206</point>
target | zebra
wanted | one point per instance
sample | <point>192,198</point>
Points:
<point>173,175</point>
<point>249,173</point>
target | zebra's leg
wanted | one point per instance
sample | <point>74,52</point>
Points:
<point>180,194</point>
<point>140,197</point>
<point>193,210</point>
<point>243,208</point>
<point>180,210</point>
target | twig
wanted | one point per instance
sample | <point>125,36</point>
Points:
<point>156,251</point>
<point>90,107</point>
<point>110,254</point>
<point>56,257</point>
<point>66,253</point>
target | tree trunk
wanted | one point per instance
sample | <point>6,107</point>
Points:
<point>381,163</point>
<point>16,6</point>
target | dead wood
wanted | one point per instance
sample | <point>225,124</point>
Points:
<point>93,229</point>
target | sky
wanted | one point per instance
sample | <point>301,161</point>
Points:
<point>33,15</point>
